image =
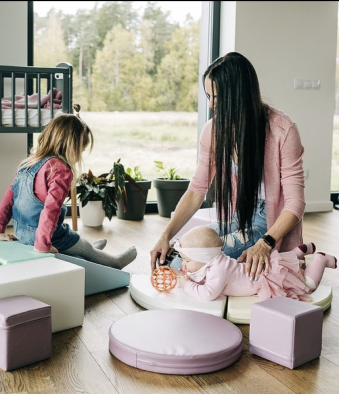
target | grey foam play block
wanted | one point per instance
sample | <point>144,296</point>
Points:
<point>98,278</point>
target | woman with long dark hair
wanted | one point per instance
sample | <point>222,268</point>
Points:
<point>253,152</point>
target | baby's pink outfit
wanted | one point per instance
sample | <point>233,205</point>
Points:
<point>225,275</point>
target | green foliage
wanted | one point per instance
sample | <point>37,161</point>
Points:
<point>123,61</point>
<point>107,187</point>
<point>134,173</point>
<point>166,172</point>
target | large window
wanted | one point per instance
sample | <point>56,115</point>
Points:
<point>136,76</point>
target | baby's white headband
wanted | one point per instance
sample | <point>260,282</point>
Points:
<point>201,255</point>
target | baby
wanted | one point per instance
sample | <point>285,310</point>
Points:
<point>207,272</point>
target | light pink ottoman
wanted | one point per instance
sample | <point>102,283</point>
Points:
<point>286,331</point>
<point>25,332</point>
<point>175,341</point>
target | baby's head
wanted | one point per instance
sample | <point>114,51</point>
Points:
<point>197,247</point>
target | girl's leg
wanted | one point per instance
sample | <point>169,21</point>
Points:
<point>315,270</point>
<point>302,250</point>
<point>88,252</point>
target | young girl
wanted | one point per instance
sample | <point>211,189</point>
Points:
<point>207,272</point>
<point>35,198</point>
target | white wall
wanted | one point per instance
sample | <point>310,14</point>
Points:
<point>13,50</point>
<point>286,40</point>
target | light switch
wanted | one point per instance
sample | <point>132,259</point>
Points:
<point>306,84</point>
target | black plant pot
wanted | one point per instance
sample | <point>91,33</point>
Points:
<point>136,201</point>
<point>169,193</point>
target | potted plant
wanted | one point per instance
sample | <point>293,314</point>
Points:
<point>132,205</point>
<point>170,187</point>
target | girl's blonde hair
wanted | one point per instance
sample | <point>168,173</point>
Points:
<point>66,137</point>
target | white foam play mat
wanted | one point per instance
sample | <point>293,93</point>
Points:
<point>144,294</point>
<point>239,308</point>
<point>234,309</point>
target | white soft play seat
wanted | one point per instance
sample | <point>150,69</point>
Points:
<point>175,341</point>
<point>148,297</point>
<point>55,282</point>
<point>98,278</point>
<point>239,308</point>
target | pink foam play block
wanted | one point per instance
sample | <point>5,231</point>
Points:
<point>25,332</point>
<point>286,331</point>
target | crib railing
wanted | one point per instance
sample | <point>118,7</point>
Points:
<point>33,80</point>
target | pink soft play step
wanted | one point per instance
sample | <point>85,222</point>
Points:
<point>175,341</point>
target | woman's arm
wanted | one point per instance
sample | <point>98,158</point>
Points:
<point>188,205</point>
<point>191,201</point>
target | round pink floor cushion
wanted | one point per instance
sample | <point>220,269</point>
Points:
<point>175,341</point>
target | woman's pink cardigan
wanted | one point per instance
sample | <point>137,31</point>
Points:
<point>283,173</point>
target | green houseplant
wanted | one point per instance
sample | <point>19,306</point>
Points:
<point>103,192</point>
<point>132,205</point>
<point>109,193</point>
<point>170,187</point>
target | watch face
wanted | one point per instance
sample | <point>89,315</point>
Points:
<point>269,240</point>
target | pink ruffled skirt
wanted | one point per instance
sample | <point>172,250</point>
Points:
<point>286,278</point>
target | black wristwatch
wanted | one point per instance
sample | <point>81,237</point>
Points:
<point>269,240</point>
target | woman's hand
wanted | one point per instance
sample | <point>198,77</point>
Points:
<point>158,253</point>
<point>257,259</point>
<point>7,237</point>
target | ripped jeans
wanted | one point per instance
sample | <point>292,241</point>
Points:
<point>235,244</point>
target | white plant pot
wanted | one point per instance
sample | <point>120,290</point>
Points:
<point>92,214</point>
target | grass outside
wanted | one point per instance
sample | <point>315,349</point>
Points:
<point>139,138</point>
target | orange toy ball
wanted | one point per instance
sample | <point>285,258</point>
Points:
<point>164,279</point>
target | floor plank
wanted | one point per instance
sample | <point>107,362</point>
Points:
<point>81,361</point>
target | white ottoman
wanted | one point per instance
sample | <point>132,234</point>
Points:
<point>55,282</point>
<point>201,217</point>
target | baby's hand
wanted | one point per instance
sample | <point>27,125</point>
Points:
<point>182,272</point>
<point>7,237</point>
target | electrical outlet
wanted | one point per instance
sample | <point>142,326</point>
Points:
<point>306,173</point>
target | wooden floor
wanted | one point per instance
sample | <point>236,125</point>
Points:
<point>82,363</point>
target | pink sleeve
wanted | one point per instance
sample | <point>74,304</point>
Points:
<point>199,183</point>
<point>6,209</point>
<point>58,184</point>
<point>216,281</point>
<point>292,174</point>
